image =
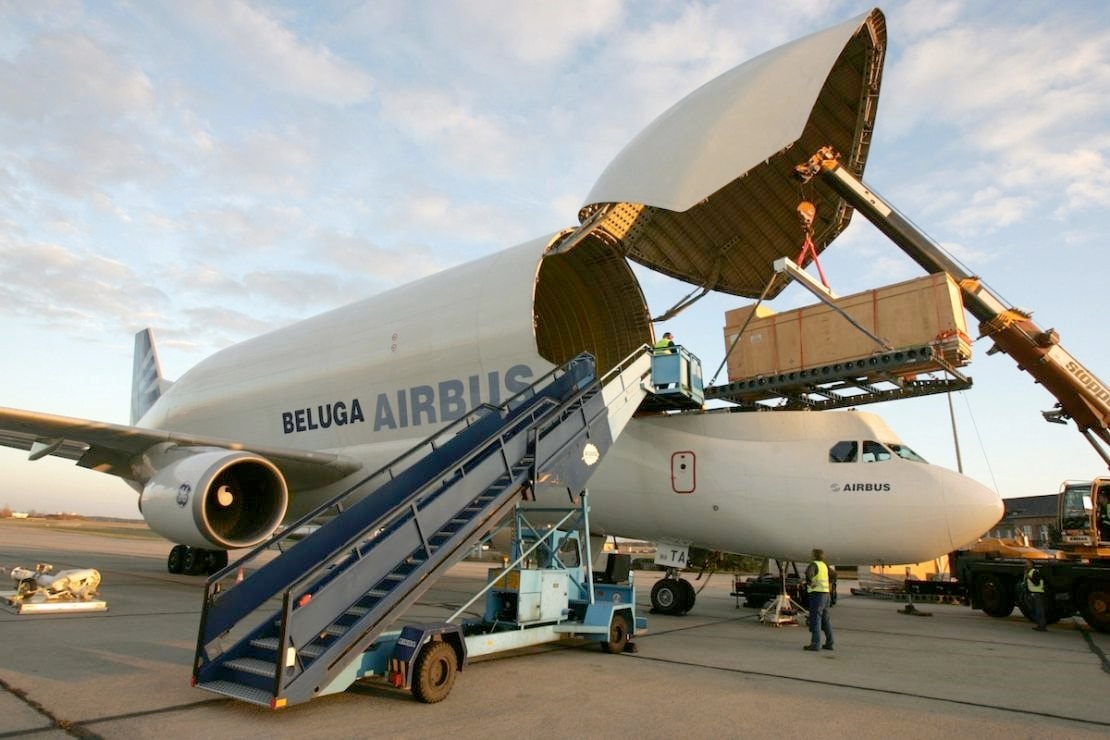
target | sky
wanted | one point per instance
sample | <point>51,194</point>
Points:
<point>218,169</point>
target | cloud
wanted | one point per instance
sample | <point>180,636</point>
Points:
<point>531,31</point>
<point>481,145</point>
<point>263,44</point>
<point>72,290</point>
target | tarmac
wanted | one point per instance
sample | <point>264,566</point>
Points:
<point>715,672</point>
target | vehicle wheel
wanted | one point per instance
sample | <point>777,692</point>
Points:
<point>620,629</point>
<point>1094,605</point>
<point>175,560</point>
<point>689,596</point>
<point>217,561</point>
<point>995,595</point>
<point>434,673</point>
<point>666,596</point>
<point>194,561</point>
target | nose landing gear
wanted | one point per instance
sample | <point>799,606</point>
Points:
<point>672,595</point>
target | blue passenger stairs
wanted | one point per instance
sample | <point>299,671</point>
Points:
<point>286,633</point>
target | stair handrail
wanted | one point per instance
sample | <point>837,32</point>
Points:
<point>536,417</point>
<point>403,509</point>
<point>518,403</point>
<point>471,417</point>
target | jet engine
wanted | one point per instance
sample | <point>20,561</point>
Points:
<point>215,499</point>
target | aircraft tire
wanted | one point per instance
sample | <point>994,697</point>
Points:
<point>619,631</point>
<point>195,561</point>
<point>689,596</point>
<point>666,596</point>
<point>995,595</point>
<point>1094,605</point>
<point>175,559</point>
<point>434,672</point>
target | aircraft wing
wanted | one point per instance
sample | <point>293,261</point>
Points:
<point>112,448</point>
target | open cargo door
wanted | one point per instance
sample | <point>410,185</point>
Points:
<point>706,192</point>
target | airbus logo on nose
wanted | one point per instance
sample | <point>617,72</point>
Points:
<point>837,488</point>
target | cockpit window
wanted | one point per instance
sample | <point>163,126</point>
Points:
<point>874,452</point>
<point>843,452</point>
<point>906,453</point>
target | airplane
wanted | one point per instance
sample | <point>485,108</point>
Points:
<point>263,431</point>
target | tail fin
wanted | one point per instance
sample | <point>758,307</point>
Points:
<point>147,383</point>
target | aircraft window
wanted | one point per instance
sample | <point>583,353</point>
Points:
<point>874,452</point>
<point>906,453</point>
<point>843,452</point>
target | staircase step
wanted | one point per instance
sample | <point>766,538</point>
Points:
<point>271,644</point>
<point>252,665</point>
<point>249,694</point>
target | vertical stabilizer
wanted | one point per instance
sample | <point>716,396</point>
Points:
<point>147,383</point>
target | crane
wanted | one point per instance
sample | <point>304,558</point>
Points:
<point>1080,395</point>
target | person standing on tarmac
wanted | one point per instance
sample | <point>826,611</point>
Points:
<point>1034,585</point>
<point>818,583</point>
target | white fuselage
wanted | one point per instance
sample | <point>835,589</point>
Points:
<point>369,380</point>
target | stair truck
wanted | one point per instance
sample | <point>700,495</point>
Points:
<point>317,617</point>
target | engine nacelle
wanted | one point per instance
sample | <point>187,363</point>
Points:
<point>215,499</point>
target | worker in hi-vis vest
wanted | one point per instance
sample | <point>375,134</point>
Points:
<point>818,584</point>
<point>665,346</point>
<point>1034,585</point>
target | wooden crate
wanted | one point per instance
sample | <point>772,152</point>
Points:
<point>922,311</point>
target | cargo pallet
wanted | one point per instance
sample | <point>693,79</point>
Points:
<point>880,377</point>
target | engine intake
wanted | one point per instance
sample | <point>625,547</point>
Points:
<point>215,499</point>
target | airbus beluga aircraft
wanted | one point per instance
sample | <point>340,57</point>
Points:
<point>263,431</point>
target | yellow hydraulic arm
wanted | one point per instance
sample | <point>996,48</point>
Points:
<point>1079,393</point>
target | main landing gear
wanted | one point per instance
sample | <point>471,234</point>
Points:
<point>672,595</point>
<point>195,561</point>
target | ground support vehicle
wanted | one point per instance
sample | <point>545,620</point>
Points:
<point>313,619</point>
<point>546,594</point>
<point>996,585</point>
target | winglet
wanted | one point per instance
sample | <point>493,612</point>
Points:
<point>147,383</point>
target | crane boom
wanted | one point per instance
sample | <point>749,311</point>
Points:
<point>1080,394</point>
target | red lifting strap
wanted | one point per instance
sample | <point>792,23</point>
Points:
<point>809,248</point>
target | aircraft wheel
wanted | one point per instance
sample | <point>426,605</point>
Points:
<point>194,562</point>
<point>666,596</point>
<point>434,673</point>
<point>619,631</point>
<point>689,596</point>
<point>217,561</point>
<point>1094,605</point>
<point>175,560</point>
<point>995,595</point>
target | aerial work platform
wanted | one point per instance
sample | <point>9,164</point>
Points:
<point>676,381</point>
<point>374,549</point>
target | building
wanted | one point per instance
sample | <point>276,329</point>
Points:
<point>1033,516</point>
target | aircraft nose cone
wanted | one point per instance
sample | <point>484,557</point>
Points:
<point>973,509</point>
